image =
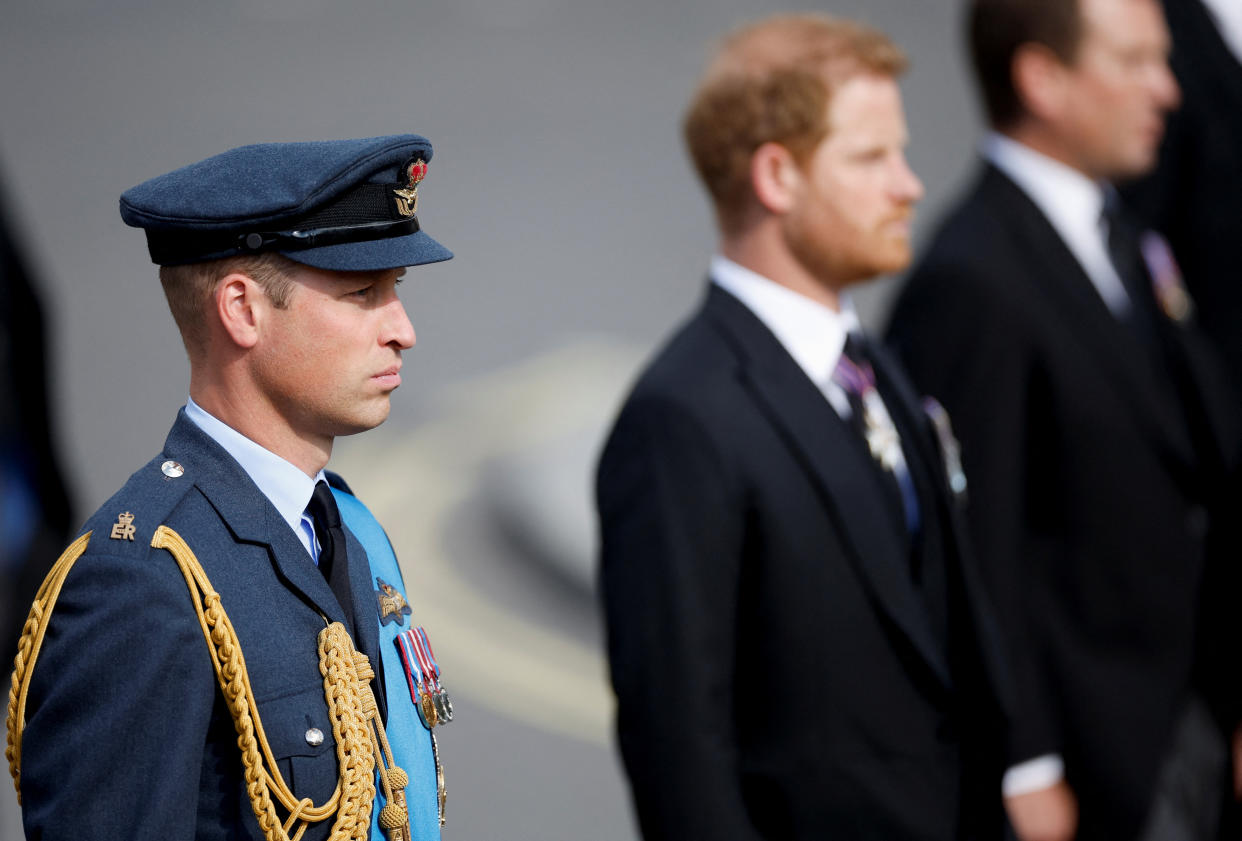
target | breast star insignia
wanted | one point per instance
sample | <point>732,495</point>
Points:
<point>392,605</point>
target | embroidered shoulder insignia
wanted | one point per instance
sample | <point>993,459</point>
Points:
<point>392,605</point>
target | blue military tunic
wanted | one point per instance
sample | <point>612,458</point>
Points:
<point>127,732</point>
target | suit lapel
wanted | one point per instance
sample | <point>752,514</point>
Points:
<point>843,470</point>
<point>925,442</point>
<point>1061,279</point>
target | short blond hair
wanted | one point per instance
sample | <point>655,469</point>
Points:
<point>772,81</point>
<point>190,289</point>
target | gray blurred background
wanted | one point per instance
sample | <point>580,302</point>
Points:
<point>581,238</point>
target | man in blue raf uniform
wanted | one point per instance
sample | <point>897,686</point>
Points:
<point>207,660</point>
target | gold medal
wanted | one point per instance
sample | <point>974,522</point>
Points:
<point>427,706</point>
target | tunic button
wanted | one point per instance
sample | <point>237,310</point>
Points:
<point>314,737</point>
<point>171,469</point>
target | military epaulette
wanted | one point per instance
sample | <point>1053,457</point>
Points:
<point>131,516</point>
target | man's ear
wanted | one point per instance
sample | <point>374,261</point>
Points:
<point>241,306</point>
<point>1040,80</point>
<point>775,177</point>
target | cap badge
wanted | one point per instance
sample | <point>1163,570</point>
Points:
<point>392,605</point>
<point>407,198</point>
<point>123,528</point>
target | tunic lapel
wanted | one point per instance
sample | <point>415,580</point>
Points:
<point>250,516</point>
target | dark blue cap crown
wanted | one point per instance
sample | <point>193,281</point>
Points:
<point>341,205</point>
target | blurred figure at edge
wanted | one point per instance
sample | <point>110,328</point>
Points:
<point>1098,429</point>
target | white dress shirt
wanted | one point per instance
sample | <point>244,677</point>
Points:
<point>286,486</point>
<point>1072,204</point>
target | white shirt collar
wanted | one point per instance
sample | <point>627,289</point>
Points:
<point>813,334</point>
<point>1069,199</point>
<point>286,486</point>
<point>1228,17</point>
<point>1072,204</point>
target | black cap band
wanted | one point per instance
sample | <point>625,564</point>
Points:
<point>363,214</point>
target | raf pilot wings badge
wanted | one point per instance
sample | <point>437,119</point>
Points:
<point>392,605</point>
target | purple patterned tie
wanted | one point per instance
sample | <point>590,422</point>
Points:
<point>856,377</point>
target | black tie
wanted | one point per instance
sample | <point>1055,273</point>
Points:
<point>1126,254</point>
<point>332,555</point>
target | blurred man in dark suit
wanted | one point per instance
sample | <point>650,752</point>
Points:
<point>796,637</point>
<point>1098,430</point>
<point>1192,196</point>
<point>35,516</point>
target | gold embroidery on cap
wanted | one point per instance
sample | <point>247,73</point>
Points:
<point>407,198</point>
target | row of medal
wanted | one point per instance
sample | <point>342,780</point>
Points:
<point>423,674</point>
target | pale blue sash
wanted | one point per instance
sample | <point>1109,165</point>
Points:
<point>410,740</point>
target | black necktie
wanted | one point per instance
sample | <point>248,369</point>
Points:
<point>1126,254</point>
<point>332,555</point>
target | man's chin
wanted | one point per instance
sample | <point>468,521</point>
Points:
<point>897,259</point>
<point>1137,165</point>
<point>364,421</point>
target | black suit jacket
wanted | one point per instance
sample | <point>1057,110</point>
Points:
<point>1091,500</point>
<point>777,671</point>
<point>1192,196</point>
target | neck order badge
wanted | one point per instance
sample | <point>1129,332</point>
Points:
<point>413,745</point>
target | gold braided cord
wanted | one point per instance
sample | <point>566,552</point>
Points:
<point>28,652</point>
<point>361,743</point>
<point>394,818</point>
<point>355,790</point>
